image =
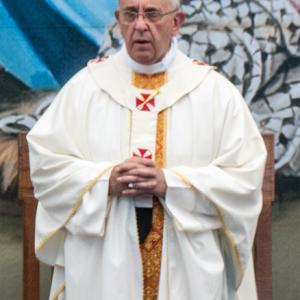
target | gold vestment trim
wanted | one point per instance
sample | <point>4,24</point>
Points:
<point>234,248</point>
<point>232,243</point>
<point>151,248</point>
<point>149,82</point>
<point>183,178</point>
<point>75,207</point>
<point>58,291</point>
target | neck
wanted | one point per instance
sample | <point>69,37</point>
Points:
<point>154,68</point>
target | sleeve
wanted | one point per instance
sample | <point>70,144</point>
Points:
<point>71,189</point>
<point>227,191</point>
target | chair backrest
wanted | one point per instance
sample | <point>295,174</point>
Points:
<point>262,246</point>
<point>31,267</point>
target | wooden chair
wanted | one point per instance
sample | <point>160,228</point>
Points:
<point>31,267</point>
<point>262,246</point>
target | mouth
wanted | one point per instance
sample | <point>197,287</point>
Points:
<point>141,42</point>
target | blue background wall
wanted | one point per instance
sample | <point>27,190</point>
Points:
<point>43,43</point>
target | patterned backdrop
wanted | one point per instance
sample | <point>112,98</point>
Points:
<point>256,44</point>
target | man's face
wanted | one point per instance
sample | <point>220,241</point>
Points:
<point>146,42</point>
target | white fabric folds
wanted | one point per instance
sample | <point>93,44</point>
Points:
<point>215,161</point>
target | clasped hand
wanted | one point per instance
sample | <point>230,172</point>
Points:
<point>144,177</point>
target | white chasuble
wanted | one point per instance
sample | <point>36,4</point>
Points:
<point>213,165</point>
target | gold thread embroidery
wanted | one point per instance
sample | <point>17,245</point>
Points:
<point>151,251</point>
<point>153,81</point>
<point>59,291</point>
<point>46,239</point>
<point>183,178</point>
<point>73,210</point>
<point>233,245</point>
<point>151,248</point>
<point>160,154</point>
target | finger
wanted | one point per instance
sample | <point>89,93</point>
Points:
<point>146,186</point>
<point>141,161</point>
<point>129,178</point>
<point>127,166</point>
<point>147,163</point>
<point>146,173</point>
<point>134,162</point>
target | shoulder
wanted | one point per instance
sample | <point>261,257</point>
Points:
<point>98,60</point>
<point>218,89</point>
<point>228,95</point>
<point>84,75</point>
<point>200,62</point>
<point>212,75</point>
<point>83,79</point>
<point>222,84</point>
<point>76,90</point>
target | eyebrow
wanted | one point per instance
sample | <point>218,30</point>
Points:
<point>151,9</point>
<point>130,8</point>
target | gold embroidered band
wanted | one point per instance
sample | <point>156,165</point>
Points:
<point>151,248</point>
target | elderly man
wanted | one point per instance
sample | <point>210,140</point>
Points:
<point>148,170</point>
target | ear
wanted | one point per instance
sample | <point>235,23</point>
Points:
<point>178,21</point>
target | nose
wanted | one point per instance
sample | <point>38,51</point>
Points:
<point>140,23</point>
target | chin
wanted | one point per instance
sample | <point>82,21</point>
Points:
<point>143,59</point>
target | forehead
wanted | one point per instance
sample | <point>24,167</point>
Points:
<point>161,4</point>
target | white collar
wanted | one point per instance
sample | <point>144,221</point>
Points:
<point>151,69</point>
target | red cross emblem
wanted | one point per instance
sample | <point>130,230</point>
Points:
<point>143,153</point>
<point>146,102</point>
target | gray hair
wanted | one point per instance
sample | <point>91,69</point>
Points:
<point>174,3</point>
